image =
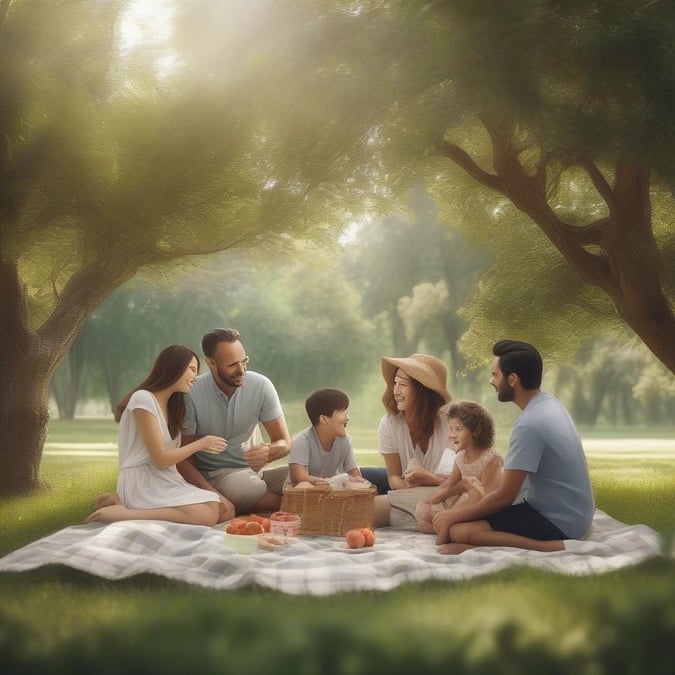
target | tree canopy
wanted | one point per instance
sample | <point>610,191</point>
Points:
<point>561,110</point>
<point>118,154</point>
<point>129,140</point>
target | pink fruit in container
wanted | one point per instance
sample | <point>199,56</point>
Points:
<point>284,523</point>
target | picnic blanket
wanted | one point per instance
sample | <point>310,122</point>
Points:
<point>315,565</point>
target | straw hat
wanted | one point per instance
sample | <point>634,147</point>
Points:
<point>427,370</point>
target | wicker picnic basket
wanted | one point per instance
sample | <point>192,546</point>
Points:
<point>331,512</point>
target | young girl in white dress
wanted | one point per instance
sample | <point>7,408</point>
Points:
<point>478,468</point>
<point>151,416</point>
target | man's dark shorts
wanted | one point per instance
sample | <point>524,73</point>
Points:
<point>526,521</point>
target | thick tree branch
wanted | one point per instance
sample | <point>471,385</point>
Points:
<point>629,265</point>
<point>85,290</point>
<point>529,195</point>
<point>600,184</point>
<point>591,234</point>
<point>464,160</point>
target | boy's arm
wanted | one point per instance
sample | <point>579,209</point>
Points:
<point>299,474</point>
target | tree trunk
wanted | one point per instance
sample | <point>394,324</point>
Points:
<point>23,418</point>
<point>30,358</point>
<point>24,381</point>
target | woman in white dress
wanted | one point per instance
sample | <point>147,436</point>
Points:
<point>151,416</point>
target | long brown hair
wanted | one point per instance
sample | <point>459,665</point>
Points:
<point>169,365</point>
<point>421,418</point>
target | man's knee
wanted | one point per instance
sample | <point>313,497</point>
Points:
<point>243,488</point>
<point>275,479</point>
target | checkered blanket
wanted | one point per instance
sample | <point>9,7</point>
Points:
<point>315,565</point>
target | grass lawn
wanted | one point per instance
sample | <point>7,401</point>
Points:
<point>62,621</point>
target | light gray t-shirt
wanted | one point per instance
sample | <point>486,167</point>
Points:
<point>209,412</point>
<point>307,451</point>
<point>545,443</point>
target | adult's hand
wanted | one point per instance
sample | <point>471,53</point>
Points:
<point>442,521</point>
<point>420,476</point>
<point>257,456</point>
<point>213,444</point>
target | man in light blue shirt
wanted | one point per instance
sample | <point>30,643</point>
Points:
<point>545,495</point>
<point>231,402</point>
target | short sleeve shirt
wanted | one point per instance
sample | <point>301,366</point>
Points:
<point>208,411</point>
<point>545,443</point>
<point>132,450</point>
<point>306,450</point>
<point>394,438</point>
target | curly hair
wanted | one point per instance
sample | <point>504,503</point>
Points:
<point>475,418</point>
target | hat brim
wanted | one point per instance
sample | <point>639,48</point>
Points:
<point>415,369</point>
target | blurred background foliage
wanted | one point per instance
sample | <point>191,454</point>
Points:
<point>323,317</point>
<point>288,153</point>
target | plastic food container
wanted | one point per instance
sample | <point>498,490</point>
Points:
<point>286,524</point>
<point>241,543</point>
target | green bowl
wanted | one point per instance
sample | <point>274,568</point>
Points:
<point>242,543</point>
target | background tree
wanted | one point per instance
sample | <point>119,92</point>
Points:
<point>66,384</point>
<point>302,326</point>
<point>616,381</point>
<point>561,110</point>
<point>116,155</point>
<point>252,124</point>
<point>419,273</point>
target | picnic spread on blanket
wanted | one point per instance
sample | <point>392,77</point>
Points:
<point>314,564</point>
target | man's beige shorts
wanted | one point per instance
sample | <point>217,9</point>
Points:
<point>244,487</point>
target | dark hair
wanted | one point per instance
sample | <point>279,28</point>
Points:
<point>522,359</point>
<point>213,337</point>
<point>325,402</point>
<point>421,419</point>
<point>475,418</point>
<point>169,365</point>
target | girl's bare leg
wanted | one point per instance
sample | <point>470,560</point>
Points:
<point>190,514</point>
<point>226,509</point>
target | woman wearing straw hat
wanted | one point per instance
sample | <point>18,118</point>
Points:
<point>412,436</point>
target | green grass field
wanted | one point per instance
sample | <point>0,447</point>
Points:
<point>57,620</point>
